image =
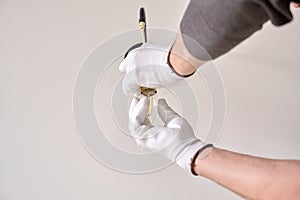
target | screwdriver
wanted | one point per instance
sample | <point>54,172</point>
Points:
<point>146,91</point>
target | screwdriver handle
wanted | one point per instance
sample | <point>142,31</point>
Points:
<point>142,23</point>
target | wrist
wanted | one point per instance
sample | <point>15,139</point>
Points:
<point>199,158</point>
<point>181,61</point>
<point>180,65</point>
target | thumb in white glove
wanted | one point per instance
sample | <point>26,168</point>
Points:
<point>175,140</point>
<point>147,66</point>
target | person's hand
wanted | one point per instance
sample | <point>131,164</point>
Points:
<point>147,66</point>
<point>175,140</point>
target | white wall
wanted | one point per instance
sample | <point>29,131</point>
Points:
<point>43,43</point>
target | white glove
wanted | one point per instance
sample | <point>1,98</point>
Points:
<point>147,66</point>
<point>175,140</point>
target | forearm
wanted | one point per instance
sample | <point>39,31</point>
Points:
<point>251,177</point>
<point>218,26</point>
<point>211,28</point>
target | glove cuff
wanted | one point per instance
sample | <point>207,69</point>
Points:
<point>186,159</point>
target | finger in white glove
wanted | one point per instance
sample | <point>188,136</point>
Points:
<point>175,140</point>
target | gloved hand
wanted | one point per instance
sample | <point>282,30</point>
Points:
<point>175,140</point>
<point>147,66</point>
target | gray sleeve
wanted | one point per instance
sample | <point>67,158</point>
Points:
<point>220,25</point>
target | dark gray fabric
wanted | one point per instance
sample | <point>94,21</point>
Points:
<point>219,25</point>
